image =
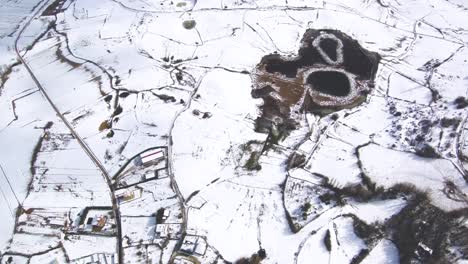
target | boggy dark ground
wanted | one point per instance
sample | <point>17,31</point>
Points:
<point>54,8</point>
<point>284,83</point>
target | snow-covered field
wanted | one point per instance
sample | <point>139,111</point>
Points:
<point>97,85</point>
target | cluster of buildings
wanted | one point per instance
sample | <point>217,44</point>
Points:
<point>96,220</point>
<point>194,245</point>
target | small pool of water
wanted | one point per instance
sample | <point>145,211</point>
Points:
<point>330,82</point>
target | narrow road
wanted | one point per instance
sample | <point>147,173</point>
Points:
<point>82,143</point>
<point>170,166</point>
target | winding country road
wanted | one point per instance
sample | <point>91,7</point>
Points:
<point>82,143</point>
<point>108,178</point>
<point>170,166</point>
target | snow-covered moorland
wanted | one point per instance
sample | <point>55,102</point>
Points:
<point>233,131</point>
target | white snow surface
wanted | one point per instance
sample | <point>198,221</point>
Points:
<point>128,76</point>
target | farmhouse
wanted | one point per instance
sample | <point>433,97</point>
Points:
<point>96,220</point>
<point>128,195</point>
<point>149,157</point>
<point>96,223</point>
<point>162,230</point>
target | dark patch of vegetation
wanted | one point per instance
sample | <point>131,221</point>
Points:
<point>425,125</point>
<point>461,102</point>
<point>449,122</point>
<point>275,135</point>
<point>247,147</point>
<point>160,216</point>
<point>327,241</point>
<point>108,155</point>
<point>166,98</point>
<point>108,98</point>
<point>370,185</point>
<point>362,193</point>
<point>422,226</point>
<point>104,125</point>
<point>189,24</point>
<point>328,197</point>
<point>6,74</point>
<point>117,111</point>
<point>369,233</point>
<point>54,8</point>
<point>207,115</point>
<point>295,227</point>
<point>458,237</point>
<point>252,162</point>
<point>124,94</point>
<point>262,253</point>
<point>296,160</point>
<point>271,109</point>
<point>334,117</point>
<point>179,76</point>
<point>35,153</point>
<point>404,189</point>
<point>426,151</point>
<point>49,125</point>
<point>62,58</point>
<point>422,232</point>
<point>435,95</point>
<point>192,195</point>
<point>256,258</point>
<point>358,192</point>
<point>360,256</point>
<point>110,134</point>
<point>305,209</point>
<point>262,92</point>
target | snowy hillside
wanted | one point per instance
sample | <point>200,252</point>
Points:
<point>233,131</point>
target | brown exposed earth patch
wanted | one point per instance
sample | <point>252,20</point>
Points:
<point>331,72</point>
